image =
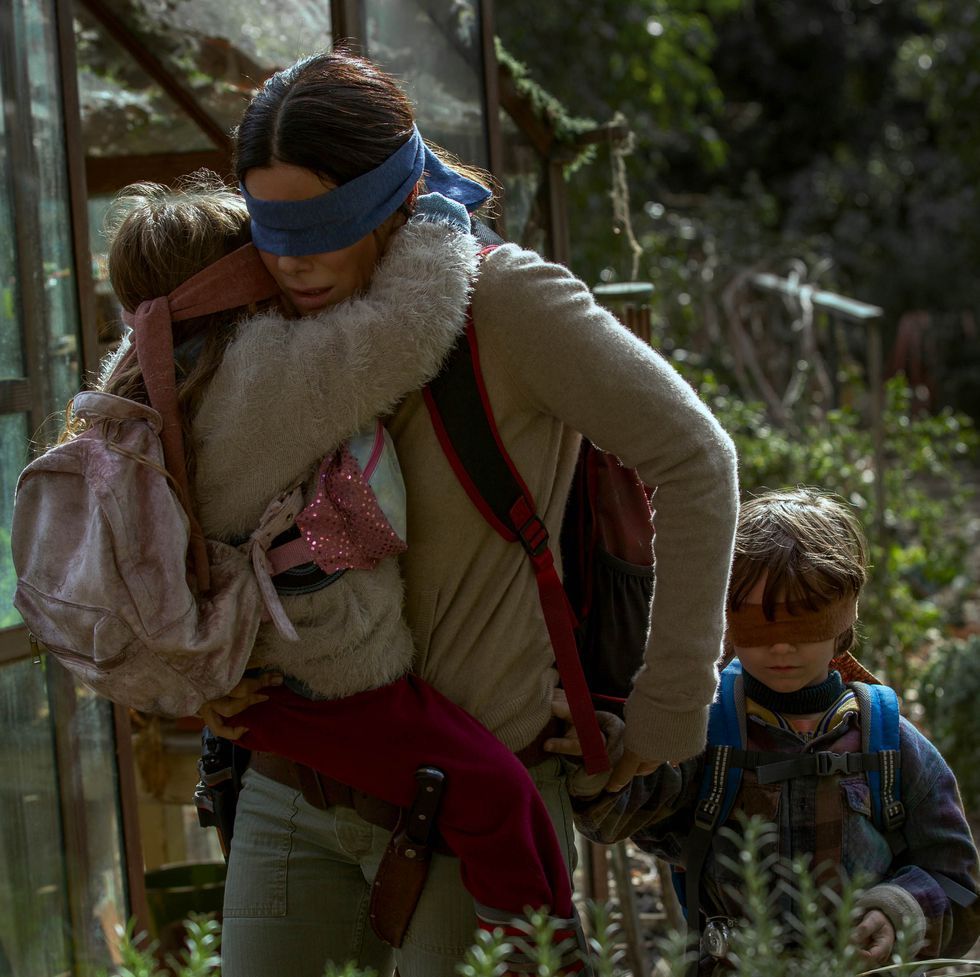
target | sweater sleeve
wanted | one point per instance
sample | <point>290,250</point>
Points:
<point>655,811</point>
<point>289,391</point>
<point>573,360</point>
<point>940,847</point>
<point>914,894</point>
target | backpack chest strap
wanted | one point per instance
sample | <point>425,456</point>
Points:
<point>770,768</point>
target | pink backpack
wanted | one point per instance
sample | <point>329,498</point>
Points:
<point>103,532</point>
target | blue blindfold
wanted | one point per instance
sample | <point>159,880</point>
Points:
<point>340,217</point>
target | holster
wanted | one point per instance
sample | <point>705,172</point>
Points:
<point>216,795</point>
<point>404,866</point>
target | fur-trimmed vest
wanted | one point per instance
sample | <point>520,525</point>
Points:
<point>288,392</point>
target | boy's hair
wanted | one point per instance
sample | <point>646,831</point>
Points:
<point>810,545</point>
<point>158,238</point>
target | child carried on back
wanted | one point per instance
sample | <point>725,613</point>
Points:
<point>800,706</point>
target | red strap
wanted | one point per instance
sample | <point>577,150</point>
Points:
<point>527,526</point>
<point>558,617</point>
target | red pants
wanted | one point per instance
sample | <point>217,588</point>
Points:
<point>492,816</point>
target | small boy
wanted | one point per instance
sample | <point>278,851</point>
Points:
<point>799,567</point>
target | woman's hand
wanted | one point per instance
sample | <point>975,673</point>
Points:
<point>629,765</point>
<point>243,695</point>
<point>874,937</point>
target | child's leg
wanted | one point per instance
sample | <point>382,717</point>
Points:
<point>492,816</point>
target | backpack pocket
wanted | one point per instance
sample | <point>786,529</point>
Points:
<point>864,848</point>
<point>88,640</point>
<point>618,618</point>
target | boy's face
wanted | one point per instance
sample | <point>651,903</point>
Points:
<point>786,666</point>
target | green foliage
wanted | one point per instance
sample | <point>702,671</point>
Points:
<point>917,543</point>
<point>813,941</point>
<point>949,693</point>
<point>199,957</point>
<point>547,108</point>
<point>770,128</point>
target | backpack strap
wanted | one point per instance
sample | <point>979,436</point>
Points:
<point>880,735</point>
<point>720,783</point>
<point>462,417</point>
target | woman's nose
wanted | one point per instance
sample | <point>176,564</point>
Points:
<point>290,265</point>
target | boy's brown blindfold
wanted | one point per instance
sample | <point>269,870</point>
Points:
<point>793,623</point>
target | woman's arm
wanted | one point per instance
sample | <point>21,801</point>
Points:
<point>571,359</point>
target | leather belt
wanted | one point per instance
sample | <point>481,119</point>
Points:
<point>322,792</point>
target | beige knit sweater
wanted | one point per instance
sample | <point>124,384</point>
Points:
<point>556,364</point>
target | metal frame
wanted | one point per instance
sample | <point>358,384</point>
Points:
<point>348,24</point>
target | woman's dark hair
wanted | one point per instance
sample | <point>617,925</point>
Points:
<point>335,114</point>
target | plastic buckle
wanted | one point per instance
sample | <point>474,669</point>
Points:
<point>894,816</point>
<point>828,763</point>
<point>533,535</point>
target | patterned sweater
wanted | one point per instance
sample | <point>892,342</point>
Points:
<point>827,818</point>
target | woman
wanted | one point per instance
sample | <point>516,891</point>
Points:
<point>327,154</point>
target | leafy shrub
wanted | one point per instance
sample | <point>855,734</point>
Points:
<point>918,544</point>
<point>948,693</point>
<point>816,944</point>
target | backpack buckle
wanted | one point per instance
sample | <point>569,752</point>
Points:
<point>533,535</point>
<point>828,763</point>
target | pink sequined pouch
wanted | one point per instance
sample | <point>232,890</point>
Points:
<point>357,517</point>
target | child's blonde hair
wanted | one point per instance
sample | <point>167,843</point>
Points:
<point>158,238</point>
<point>809,544</point>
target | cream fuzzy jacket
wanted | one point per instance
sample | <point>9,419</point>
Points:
<point>557,364</point>
<point>288,392</point>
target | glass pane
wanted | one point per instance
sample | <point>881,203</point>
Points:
<point>435,49</point>
<point>34,920</point>
<point>41,934</point>
<point>108,311</point>
<point>11,349</point>
<point>525,215</point>
<point>13,457</point>
<point>89,788</point>
<point>215,50</point>
<point>124,112</point>
<point>35,28</point>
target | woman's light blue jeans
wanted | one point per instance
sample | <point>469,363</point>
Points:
<point>299,884</point>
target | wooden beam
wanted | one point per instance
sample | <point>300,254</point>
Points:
<point>129,807</point>
<point>107,174</point>
<point>15,396</point>
<point>15,645</point>
<point>348,25</point>
<point>158,71</point>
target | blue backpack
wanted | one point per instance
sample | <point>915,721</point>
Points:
<point>727,757</point>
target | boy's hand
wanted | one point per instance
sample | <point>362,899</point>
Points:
<point>630,765</point>
<point>874,937</point>
<point>243,695</point>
